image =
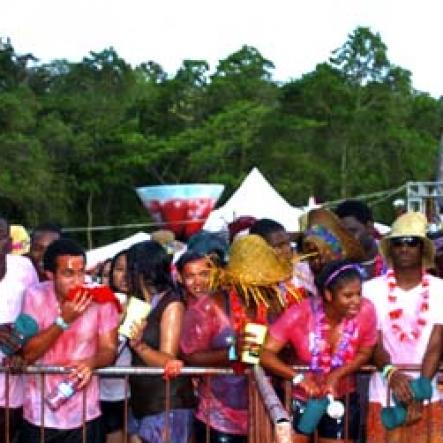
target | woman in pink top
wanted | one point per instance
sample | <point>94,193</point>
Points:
<point>334,335</point>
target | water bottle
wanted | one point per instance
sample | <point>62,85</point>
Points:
<point>61,394</point>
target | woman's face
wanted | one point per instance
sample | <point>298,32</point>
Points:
<point>104,280</point>
<point>195,277</point>
<point>346,298</point>
<point>119,275</point>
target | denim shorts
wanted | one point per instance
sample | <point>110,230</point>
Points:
<point>330,427</point>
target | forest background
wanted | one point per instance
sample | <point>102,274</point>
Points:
<point>76,138</point>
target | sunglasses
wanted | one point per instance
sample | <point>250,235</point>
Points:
<point>412,242</point>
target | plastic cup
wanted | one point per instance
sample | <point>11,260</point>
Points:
<point>136,311</point>
<point>259,332</point>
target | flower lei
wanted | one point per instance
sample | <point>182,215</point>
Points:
<point>239,320</point>
<point>322,361</point>
<point>413,330</point>
<point>239,317</point>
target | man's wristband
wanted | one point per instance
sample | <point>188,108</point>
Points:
<point>60,322</point>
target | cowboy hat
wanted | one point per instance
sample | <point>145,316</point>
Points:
<point>410,224</point>
<point>326,227</point>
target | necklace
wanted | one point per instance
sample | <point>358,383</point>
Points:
<point>402,329</point>
<point>322,360</point>
<point>239,319</point>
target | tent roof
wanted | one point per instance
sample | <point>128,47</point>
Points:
<point>255,197</point>
<point>99,255</point>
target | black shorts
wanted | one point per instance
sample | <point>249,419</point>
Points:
<point>94,433</point>
<point>329,427</point>
<point>113,415</point>
<point>15,421</point>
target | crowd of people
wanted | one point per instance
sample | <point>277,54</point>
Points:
<point>334,297</point>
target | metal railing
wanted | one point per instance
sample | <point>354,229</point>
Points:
<point>269,419</point>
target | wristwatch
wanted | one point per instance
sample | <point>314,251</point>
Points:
<point>297,379</point>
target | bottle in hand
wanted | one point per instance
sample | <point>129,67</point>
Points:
<point>61,393</point>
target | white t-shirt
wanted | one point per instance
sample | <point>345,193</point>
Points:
<point>403,352</point>
<point>113,388</point>
<point>20,274</point>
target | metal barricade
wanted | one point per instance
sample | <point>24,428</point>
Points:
<point>120,371</point>
<point>269,420</point>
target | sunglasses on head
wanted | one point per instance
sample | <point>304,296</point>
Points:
<point>406,241</point>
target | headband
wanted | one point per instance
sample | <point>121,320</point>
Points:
<point>338,271</point>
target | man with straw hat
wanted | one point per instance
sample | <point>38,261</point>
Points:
<point>246,292</point>
<point>408,303</point>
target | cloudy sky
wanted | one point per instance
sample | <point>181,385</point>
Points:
<point>294,34</point>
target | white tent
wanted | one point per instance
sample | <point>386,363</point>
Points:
<point>99,255</point>
<point>255,197</point>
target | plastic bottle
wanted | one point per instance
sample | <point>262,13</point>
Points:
<point>61,394</point>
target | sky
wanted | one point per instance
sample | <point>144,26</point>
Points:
<point>295,35</point>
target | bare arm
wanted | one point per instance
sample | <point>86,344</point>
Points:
<point>270,360</point>
<point>381,357</point>
<point>398,381</point>
<point>363,355</point>
<point>217,358</point>
<point>105,356</point>
<point>170,330</point>
<point>40,343</point>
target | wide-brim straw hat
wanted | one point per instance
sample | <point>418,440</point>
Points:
<point>351,247</point>
<point>255,270</point>
<point>410,224</point>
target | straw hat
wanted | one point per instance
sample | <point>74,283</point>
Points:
<point>255,270</point>
<point>166,238</point>
<point>325,226</point>
<point>410,224</point>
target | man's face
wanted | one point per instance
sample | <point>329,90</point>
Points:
<point>195,277</point>
<point>359,230</point>
<point>40,242</point>
<point>69,273</point>
<point>406,252</point>
<point>5,238</point>
<point>280,241</point>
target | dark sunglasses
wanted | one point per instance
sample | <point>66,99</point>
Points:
<point>412,242</point>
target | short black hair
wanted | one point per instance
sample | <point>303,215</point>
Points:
<point>355,208</point>
<point>210,244</point>
<point>265,226</point>
<point>47,227</point>
<point>188,257</point>
<point>57,248</point>
<point>335,273</point>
